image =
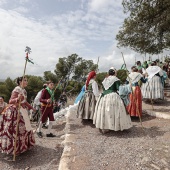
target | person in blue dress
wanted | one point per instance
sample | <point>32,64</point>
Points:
<point>78,98</point>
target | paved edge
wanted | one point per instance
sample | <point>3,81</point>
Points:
<point>66,156</point>
<point>158,114</point>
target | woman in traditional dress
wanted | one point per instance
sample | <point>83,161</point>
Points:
<point>25,138</point>
<point>153,89</point>
<point>87,103</point>
<point>135,106</point>
<point>110,112</point>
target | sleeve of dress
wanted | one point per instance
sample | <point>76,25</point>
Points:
<point>28,106</point>
<point>14,98</point>
<point>117,85</point>
<point>43,97</point>
<point>165,76</point>
<point>95,89</point>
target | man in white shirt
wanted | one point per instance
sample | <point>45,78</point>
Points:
<point>37,103</point>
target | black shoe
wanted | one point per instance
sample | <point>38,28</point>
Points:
<point>39,134</point>
<point>50,135</point>
<point>44,127</point>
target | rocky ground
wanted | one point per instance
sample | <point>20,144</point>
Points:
<point>143,148</point>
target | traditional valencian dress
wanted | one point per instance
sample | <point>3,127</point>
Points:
<point>110,112</point>
<point>25,137</point>
<point>153,89</point>
<point>87,103</point>
<point>135,106</point>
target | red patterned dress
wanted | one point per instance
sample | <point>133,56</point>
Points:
<point>25,137</point>
<point>135,106</point>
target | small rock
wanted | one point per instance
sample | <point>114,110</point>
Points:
<point>166,169</point>
<point>62,137</point>
<point>27,168</point>
<point>74,159</point>
<point>166,151</point>
<point>166,146</point>
<point>155,166</point>
<point>145,159</point>
<point>164,162</point>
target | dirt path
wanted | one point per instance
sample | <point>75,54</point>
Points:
<point>44,156</point>
<point>145,148</point>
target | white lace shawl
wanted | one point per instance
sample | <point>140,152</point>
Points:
<point>108,81</point>
<point>134,77</point>
<point>152,70</point>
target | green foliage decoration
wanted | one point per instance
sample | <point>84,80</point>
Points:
<point>122,75</point>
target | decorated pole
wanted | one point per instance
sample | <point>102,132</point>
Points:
<point>97,69</point>
<point>132,92</point>
<point>27,50</point>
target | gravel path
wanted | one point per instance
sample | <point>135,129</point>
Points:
<point>137,148</point>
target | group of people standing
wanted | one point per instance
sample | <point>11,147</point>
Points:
<point>107,110</point>
<point>110,110</point>
<point>118,103</point>
<point>16,133</point>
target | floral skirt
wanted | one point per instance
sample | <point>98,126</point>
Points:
<point>110,113</point>
<point>25,139</point>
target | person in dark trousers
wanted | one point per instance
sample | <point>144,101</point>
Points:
<point>47,100</point>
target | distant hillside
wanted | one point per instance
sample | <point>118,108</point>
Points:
<point>2,80</point>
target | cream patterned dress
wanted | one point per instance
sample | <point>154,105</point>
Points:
<point>110,112</point>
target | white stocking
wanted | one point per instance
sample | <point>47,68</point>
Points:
<point>49,127</point>
<point>39,127</point>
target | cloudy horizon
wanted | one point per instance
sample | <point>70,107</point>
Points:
<point>59,28</point>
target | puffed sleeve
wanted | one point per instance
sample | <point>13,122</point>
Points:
<point>95,89</point>
<point>14,98</point>
<point>161,72</point>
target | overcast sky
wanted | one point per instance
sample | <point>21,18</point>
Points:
<point>58,28</point>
